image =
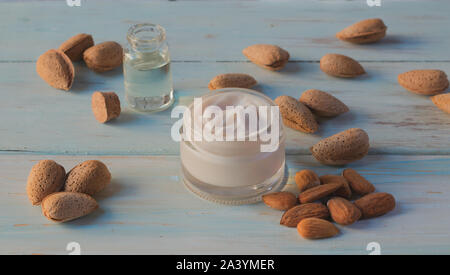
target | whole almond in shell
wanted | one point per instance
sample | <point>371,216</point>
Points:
<point>340,66</point>
<point>297,213</point>
<point>45,177</point>
<point>306,179</point>
<point>104,57</point>
<point>375,204</point>
<point>342,211</point>
<point>231,81</point>
<point>67,206</point>
<point>318,192</point>
<point>280,200</point>
<point>56,68</point>
<point>344,191</point>
<point>75,46</point>
<point>88,177</point>
<point>358,183</point>
<point>314,228</point>
<point>268,56</point>
<point>442,102</point>
<point>424,82</point>
<point>365,31</point>
<point>322,103</point>
<point>295,115</point>
<point>342,148</point>
<point>105,106</point>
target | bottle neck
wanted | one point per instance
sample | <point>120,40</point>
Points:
<point>146,37</point>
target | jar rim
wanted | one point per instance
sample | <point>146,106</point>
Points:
<point>134,29</point>
<point>217,92</point>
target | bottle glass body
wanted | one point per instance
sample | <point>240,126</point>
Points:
<point>147,74</point>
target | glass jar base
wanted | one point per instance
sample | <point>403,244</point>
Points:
<point>151,103</point>
<point>234,195</point>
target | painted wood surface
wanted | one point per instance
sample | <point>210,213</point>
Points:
<point>218,30</point>
<point>146,209</point>
<point>39,118</point>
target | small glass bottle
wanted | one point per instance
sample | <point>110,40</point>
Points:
<point>147,75</point>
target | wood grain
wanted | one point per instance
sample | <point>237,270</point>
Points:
<point>218,30</point>
<point>39,118</point>
<point>147,210</point>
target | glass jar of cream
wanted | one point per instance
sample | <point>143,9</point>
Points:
<point>146,67</point>
<point>232,148</point>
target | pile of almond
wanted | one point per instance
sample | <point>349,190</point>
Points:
<point>56,68</point>
<point>329,198</point>
<point>65,197</point>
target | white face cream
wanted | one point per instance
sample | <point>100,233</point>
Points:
<point>232,149</point>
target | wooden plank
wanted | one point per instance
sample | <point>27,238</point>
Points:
<point>146,209</point>
<point>38,118</point>
<point>218,31</point>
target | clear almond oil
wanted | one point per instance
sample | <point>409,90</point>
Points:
<point>147,74</point>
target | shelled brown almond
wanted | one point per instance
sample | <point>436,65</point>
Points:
<point>314,228</point>
<point>306,179</point>
<point>297,213</point>
<point>280,200</point>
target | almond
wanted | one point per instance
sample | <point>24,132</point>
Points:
<point>105,106</point>
<point>45,177</point>
<point>424,82</point>
<point>344,191</point>
<point>358,183</point>
<point>375,204</point>
<point>342,211</point>
<point>267,56</point>
<point>442,102</point>
<point>340,66</point>
<point>318,192</point>
<point>314,228</point>
<point>365,31</point>
<point>322,103</point>
<point>280,200</point>
<point>67,206</point>
<point>75,46</point>
<point>306,179</point>
<point>296,115</point>
<point>56,69</point>
<point>104,57</point>
<point>231,81</point>
<point>88,177</point>
<point>297,213</point>
<point>342,148</point>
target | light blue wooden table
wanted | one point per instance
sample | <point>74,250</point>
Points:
<point>146,209</point>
